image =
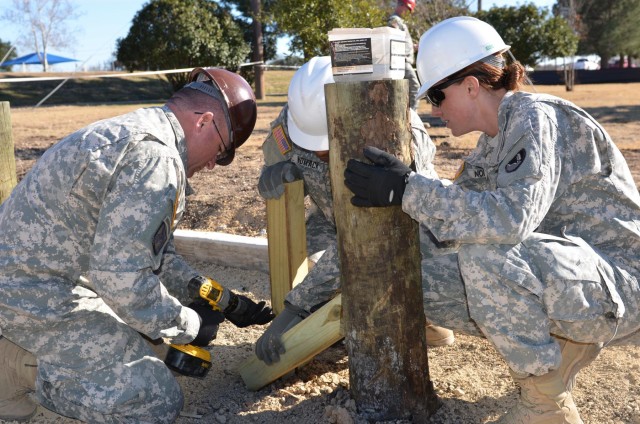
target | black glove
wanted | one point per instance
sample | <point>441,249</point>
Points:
<point>243,311</point>
<point>209,321</point>
<point>269,346</point>
<point>380,184</point>
<point>272,179</point>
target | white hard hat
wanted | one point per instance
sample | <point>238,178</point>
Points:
<point>307,116</point>
<point>452,45</point>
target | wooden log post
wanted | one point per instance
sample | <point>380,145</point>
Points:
<point>379,252</point>
<point>8,178</point>
<point>287,236</point>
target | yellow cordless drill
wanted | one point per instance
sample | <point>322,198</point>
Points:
<point>190,360</point>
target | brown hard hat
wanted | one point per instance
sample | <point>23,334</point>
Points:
<point>240,103</point>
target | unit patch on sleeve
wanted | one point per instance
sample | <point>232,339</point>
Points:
<point>161,237</point>
<point>281,139</point>
<point>516,161</point>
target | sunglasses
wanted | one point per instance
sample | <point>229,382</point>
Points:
<point>226,156</point>
<point>436,96</point>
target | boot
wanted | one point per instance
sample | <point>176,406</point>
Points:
<point>439,336</point>
<point>543,400</point>
<point>575,356</point>
<point>18,371</point>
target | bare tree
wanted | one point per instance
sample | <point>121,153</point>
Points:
<point>43,24</point>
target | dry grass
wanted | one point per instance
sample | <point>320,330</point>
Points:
<point>616,106</point>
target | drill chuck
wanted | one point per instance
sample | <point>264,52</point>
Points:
<point>209,290</point>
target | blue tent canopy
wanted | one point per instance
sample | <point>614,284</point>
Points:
<point>36,58</point>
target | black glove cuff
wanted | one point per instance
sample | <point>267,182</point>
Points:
<point>234,304</point>
<point>302,313</point>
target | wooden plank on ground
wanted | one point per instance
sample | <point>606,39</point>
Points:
<point>310,337</point>
<point>287,242</point>
<point>223,249</point>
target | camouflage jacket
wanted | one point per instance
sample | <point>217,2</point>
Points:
<point>102,204</point>
<point>550,169</point>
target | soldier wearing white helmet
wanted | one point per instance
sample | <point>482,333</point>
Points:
<point>540,223</point>
<point>298,148</point>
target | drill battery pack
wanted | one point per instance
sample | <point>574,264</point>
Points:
<point>188,360</point>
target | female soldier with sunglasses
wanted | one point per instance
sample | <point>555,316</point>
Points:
<point>541,223</point>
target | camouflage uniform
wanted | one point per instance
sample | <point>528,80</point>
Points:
<point>538,234</point>
<point>87,263</point>
<point>323,281</point>
<point>395,21</point>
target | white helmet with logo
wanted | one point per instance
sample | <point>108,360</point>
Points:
<point>307,117</point>
<point>452,45</point>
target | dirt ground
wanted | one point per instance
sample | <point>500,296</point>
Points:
<point>472,382</point>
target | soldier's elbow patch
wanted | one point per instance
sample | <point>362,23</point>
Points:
<point>523,160</point>
<point>161,237</point>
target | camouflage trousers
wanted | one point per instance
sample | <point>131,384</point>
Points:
<point>92,366</point>
<point>414,85</point>
<point>323,281</point>
<point>517,296</point>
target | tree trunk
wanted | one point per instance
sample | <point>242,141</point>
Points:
<point>8,179</point>
<point>379,252</point>
<point>258,49</point>
<point>569,75</point>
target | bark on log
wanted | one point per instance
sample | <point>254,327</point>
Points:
<point>8,178</point>
<point>379,252</point>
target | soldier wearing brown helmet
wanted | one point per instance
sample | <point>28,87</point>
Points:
<point>88,264</point>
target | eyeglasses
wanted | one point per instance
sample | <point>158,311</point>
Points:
<point>209,85</point>
<point>436,96</point>
<point>226,156</point>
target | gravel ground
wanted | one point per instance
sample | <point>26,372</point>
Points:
<point>471,380</point>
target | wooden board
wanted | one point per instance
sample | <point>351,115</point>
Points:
<point>223,249</point>
<point>287,242</point>
<point>304,341</point>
